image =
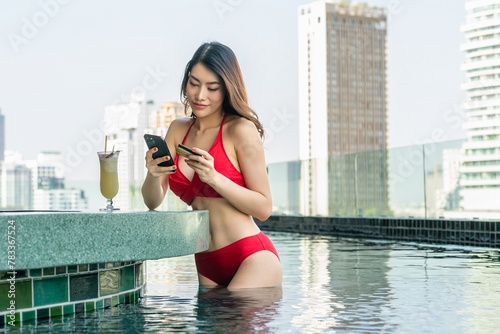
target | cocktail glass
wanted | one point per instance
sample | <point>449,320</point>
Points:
<point>108,162</point>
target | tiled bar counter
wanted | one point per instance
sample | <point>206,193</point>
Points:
<point>58,263</point>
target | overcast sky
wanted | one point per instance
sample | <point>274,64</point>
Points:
<point>62,62</point>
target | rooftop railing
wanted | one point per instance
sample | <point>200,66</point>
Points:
<point>420,181</point>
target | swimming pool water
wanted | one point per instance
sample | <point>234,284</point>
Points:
<point>329,285</point>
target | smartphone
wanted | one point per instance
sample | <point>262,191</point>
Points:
<point>157,141</point>
<point>185,151</point>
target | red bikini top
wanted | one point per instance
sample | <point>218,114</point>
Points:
<point>187,190</point>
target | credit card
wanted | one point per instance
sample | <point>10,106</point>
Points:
<point>185,151</point>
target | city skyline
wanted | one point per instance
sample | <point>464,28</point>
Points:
<point>65,72</point>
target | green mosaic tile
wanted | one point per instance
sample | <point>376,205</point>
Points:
<point>7,275</point>
<point>20,292</point>
<point>108,302</point>
<point>43,313</point>
<point>8,319</point>
<point>21,274</point>
<point>68,309</point>
<point>49,271</point>
<point>24,295</point>
<point>4,291</point>
<point>72,269</point>
<point>99,304</point>
<point>79,307</point>
<point>56,311</point>
<point>83,267</point>
<point>60,270</point>
<point>109,282</point>
<point>89,307</point>
<point>35,272</point>
<point>93,267</point>
<point>102,265</point>
<point>48,291</point>
<point>83,287</point>
<point>28,315</point>
<point>56,319</point>
<point>114,300</point>
<point>121,299</point>
<point>127,298</point>
<point>127,278</point>
<point>132,298</point>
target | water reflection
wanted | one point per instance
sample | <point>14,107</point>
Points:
<point>328,285</point>
<point>319,309</point>
<point>173,287</point>
<point>242,311</point>
<point>360,281</point>
<point>342,284</point>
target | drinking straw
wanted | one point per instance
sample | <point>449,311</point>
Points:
<point>105,143</point>
<point>112,152</point>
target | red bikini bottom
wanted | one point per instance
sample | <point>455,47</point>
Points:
<point>222,264</point>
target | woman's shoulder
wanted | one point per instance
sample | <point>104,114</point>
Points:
<point>240,126</point>
<point>178,128</point>
<point>181,123</point>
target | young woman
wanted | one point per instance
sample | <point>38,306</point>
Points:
<point>228,177</point>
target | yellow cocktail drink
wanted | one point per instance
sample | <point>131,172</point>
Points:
<point>108,162</point>
<point>109,177</point>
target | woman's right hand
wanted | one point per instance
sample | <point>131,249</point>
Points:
<point>152,164</point>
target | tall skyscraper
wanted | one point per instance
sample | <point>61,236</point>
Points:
<point>480,171</point>
<point>342,108</point>
<point>17,179</point>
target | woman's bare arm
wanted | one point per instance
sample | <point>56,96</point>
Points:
<point>155,185</point>
<point>255,199</point>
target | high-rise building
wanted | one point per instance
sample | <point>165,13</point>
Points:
<point>160,119</point>
<point>60,199</point>
<point>448,198</point>
<point>342,108</point>
<point>480,170</point>
<point>49,191</point>
<point>50,170</point>
<point>17,179</point>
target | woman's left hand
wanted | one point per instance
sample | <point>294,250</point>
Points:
<point>203,165</point>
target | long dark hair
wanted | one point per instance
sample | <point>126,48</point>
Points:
<point>221,60</point>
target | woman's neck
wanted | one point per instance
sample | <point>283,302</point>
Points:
<point>209,122</point>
